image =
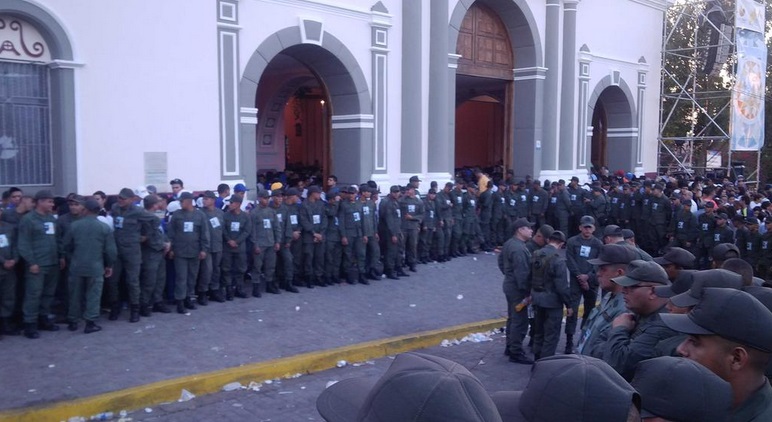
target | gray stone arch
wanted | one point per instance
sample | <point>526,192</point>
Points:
<point>338,70</point>
<point>61,95</point>
<point>528,76</point>
<point>619,103</point>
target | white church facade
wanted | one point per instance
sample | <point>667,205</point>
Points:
<point>102,94</point>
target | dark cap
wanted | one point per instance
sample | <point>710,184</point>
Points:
<point>587,220</point>
<point>628,234</point>
<point>679,389</point>
<point>705,279</point>
<point>432,191</point>
<point>683,282</point>
<point>314,189</point>
<point>614,254</point>
<point>277,192</point>
<point>642,272</point>
<point>658,186</point>
<point>677,256</point>
<point>762,294</point>
<point>574,179</point>
<point>546,230</point>
<point>710,204</point>
<point>416,387</point>
<point>394,189</point>
<point>558,391</point>
<point>292,192</point>
<point>240,188</point>
<point>236,198</point>
<point>732,314</point>
<point>263,194</point>
<point>210,194</point>
<point>92,205</point>
<point>176,182</point>
<point>612,230</point>
<point>185,195</point>
<point>722,216</point>
<point>724,251</point>
<point>522,222</point>
<point>752,221</point>
<point>78,199</point>
<point>558,235</point>
<point>126,193</point>
<point>597,189</point>
<point>414,179</point>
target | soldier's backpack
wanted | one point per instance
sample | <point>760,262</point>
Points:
<point>540,261</point>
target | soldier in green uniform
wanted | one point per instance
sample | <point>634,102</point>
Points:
<point>314,224</point>
<point>128,222</point>
<point>445,222</point>
<point>284,264</point>
<point>390,223</point>
<point>41,252</point>
<point>597,206</point>
<point>764,264</point>
<point>412,214</point>
<point>722,233</point>
<point>515,263</point>
<point>537,204</point>
<point>291,253</point>
<point>753,242</point>
<point>431,235</point>
<point>238,227</point>
<point>457,243</point>
<point>90,247</point>
<point>353,238</point>
<point>684,228</point>
<point>266,238</point>
<point>333,249</point>
<point>562,206</point>
<point>584,284</point>
<point>659,218</point>
<point>550,293</point>
<point>706,225</point>
<point>9,256</point>
<point>209,276</point>
<point>189,237</point>
<point>576,194</point>
<point>153,270</point>
<point>645,235</point>
<point>624,206</point>
<point>370,231</point>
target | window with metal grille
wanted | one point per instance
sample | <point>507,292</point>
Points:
<point>25,128</point>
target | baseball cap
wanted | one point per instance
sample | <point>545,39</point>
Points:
<point>173,207</point>
<point>574,179</point>
<point>720,252</point>
<point>729,313</point>
<point>705,279</point>
<point>677,256</point>
<point>682,283</point>
<point>679,389</point>
<point>210,194</point>
<point>558,391</point>
<point>263,194</point>
<point>587,220</point>
<point>762,294</point>
<point>44,194</point>
<point>522,222</point>
<point>394,189</point>
<point>236,198</point>
<point>314,189</point>
<point>416,387</point>
<point>141,192</point>
<point>414,179</point>
<point>78,199</point>
<point>176,182</point>
<point>628,234</point>
<point>126,193</point>
<point>240,187</point>
<point>185,195</point>
<point>614,254</point>
<point>751,220</point>
<point>722,216</point>
<point>612,230</point>
<point>639,271</point>
<point>558,235</point>
<point>92,205</point>
<point>292,192</point>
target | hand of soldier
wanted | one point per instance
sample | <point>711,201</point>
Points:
<point>626,320</point>
<point>442,224</point>
<point>364,239</point>
<point>9,263</point>
<point>201,256</point>
<point>569,312</point>
<point>257,250</point>
<point>62,263</point>
<point>394,240</point>
<point>167,247</point>
<point>171,254</point>
<point>287,245</point>
<point>233,244</point>
<point>108,272</point>
<point>295,235</point>
<point>34,269</point>
<point>583,278</point>
<point>377,237</point>
<point>276,246</point>
<point>344,241</point>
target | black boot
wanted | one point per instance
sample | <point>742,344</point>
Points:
<point>569,344</point>
<point>363,280</point>
<point>189,303</point>
<point>256,290</point>
<point>202,299</point>
<point>46,324</point>
<point>72,326</point>
<point>321,281</point>
<point>144,310</point>
<point>9,328</point>
<point>162,308</point>
<point>290,287</point>
<point>371,275</point>
<point>241,293</point>
<point>134,317</point>
<point>391,275</point>
<point>310,282</point>
<point>272,288</point>
<point>115,311</point>
<point>180,307</point>
<point>229,293</point>
<point>91,327</point>
<point>402,273</point>
<point>31,330</point>
<point>216,296</point>
<point>412,268</point>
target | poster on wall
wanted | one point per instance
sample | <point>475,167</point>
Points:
<point>750,15</point>
<point>747,123</point>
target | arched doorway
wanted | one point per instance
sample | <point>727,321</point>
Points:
<point>614,131</point>
<point>305,71</point>
<point>484,89</point>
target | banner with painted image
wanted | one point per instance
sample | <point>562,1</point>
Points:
<point>750,15</point>
<point>747,126</point>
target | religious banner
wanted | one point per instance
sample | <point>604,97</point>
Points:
<point>750,15</point>
<point>747,123</point>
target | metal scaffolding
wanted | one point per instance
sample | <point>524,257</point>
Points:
<point>698,67</point>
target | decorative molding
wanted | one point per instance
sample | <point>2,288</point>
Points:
<point>661,5</point>
<point>20,40</point>
<point>65,64</point>
<point>330,7</point>
<point>307,24</point>
<point>529,73</point>
<point>453,60</point>
<point>228,11</point>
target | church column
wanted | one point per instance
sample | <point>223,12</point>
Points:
<point>567,133</point>
<point>440,140</point>
<point>549,145</point>
<point>411,161</point>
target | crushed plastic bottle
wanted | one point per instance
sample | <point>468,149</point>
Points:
<point>104,416</point>
<point>186,396</point>
<point>233,386</point>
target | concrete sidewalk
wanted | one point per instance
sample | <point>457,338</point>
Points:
<point>65,366</point>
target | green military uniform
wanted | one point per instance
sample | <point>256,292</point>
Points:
<point>706,224</point>
<point>390,223</point>
<point>550,292</point>
<point>486,218</point>
<point>537,205</point>
<point>431,236</point>
<point>562,209</point>
<point>457,241</point>
<point>9,256</point>
<point>444,209</point>
<point>515,263</point>
<point>373,247</point>
<point>128,224</point>
<point>90,247</point>
<point>266,234</point>
<point>497,218</point>
<point>576,195</point>
<point>313,222</point>
<point>757,408</point>
<point>685,230</point>
<point>291,252</point>
<point>209,276</point>
<point>153,269</point>
<point>189,236</point>
<point>660,212</point>
<point>412,215</point>
<point>333,250</point>
<point>237,228</point>
<point>352,229</point>
<point>623,349</point>
<point>578,252</point>
<point>38,246</point>
<point>595,332</point>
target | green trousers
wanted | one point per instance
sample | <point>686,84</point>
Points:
<point>86,290</point>
<point>39,293</point>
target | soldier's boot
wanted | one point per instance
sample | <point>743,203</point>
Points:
<point>256,290</point>
<point>371,275</point>
<point>134,316</point>
<point>229,293</point>
<point>31,330</point>
<point>290,287</point>
<point>322,281</point>
<point>309,282</point>
<point>350,279</point>
<point>188,302</point>
<point>402,273</point>
<point>569,344</point>
<point>272,288</point>
<point>412,268</point>
<point>9,328</point>
<point>72,326</point>
<point>162,308</point>
<point>216,296</point>
<point>240,293</point>
<point>91,327</point>
<point>115,311</point>
<point>363,280</point>
<point>202,299</point>
<point>144,310</point>
<point>180,307</point>
<point>391,275</point>
<point>45,324</point>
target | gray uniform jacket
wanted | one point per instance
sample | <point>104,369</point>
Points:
<point>90,246</point>
<point>515,263</point>
<point>351,219</point>
<point>578,251</point>
<point>8,248</point>
<point>266,230</point>
<point>312,219</point>
<point>188,233</point>
<point>128,227</point>
<point>625,349</point>
<point>216,220</point>
<point>237,228</point>
<point>557,292</point>
<point>368,218</point>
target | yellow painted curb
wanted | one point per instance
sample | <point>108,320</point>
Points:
<point>211,382</point>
